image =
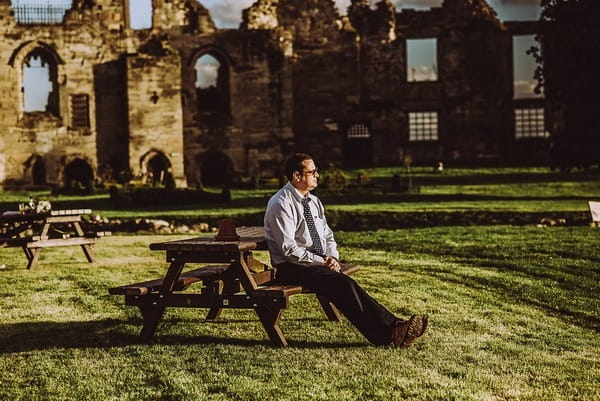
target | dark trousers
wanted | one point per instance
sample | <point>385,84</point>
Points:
<point>373,320</point>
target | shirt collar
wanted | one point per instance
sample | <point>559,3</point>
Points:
<point>297,193</point>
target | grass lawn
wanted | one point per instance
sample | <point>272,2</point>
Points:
<point>514,315</point>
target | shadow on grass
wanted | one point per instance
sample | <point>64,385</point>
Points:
<point>115,333</point>
<point>511,294</point>
<point>578,283</point>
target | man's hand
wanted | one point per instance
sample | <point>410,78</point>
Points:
<point>332,264</point>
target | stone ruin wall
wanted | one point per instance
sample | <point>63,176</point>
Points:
<point>88,37</point>
<point>299,75</point>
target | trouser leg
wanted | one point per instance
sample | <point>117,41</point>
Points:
<point>372,319</point>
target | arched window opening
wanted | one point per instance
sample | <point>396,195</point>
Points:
<point>212,85</point>
<point>40,89</point>
<point>79,175</point>
<point>216,170</point>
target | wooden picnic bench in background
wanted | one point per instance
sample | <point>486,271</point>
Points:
<point>35,231</point>
<point>595,212</point>
<point>231,278</point>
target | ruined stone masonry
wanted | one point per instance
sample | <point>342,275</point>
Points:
<point>186,102</point>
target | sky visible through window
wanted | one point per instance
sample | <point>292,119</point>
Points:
<point>207,71</point>
<point>421,60</point>
<point>140,14</point>
<point>523,67</point>
<point>36,85</point>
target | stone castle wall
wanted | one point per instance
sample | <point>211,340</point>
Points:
<point>296,75</point>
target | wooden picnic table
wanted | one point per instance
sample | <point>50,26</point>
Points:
<point>232,279</point>
<point>35,231</point>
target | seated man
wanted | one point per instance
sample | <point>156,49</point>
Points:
<point>304,252</point>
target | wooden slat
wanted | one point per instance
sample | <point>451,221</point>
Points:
<point>250,238</point>
<point>61,242</point>
<point>63,219</point>
<point>349,268</point>
<point>184,281</point>
<point>66,212</point>
<point>277,291</point>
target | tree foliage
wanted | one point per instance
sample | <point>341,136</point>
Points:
<point>569,74</point>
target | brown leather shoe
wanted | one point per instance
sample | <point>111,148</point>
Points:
<point>405,333</point>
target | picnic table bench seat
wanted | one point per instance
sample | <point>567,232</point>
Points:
<point>206,274</point>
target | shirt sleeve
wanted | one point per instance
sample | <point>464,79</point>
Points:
<point>281,222</point>
<point>330,244</point>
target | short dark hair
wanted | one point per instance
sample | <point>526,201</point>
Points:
<point>294,163</point>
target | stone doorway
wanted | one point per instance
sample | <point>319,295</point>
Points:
<point>79,175</point>
<point>157,168</point>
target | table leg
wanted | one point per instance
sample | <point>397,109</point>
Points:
<point>270,321</point>
<point>172,276</point>
<point>87,248</point>
<point>151,315</point>
<point>45,230</point>
<point>216,288</point>
<point>330,310</point>
<point>89,254</point>
<point>27,252</point>
<point>33,256</point>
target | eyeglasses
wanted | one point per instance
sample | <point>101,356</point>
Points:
<point>311,172</point>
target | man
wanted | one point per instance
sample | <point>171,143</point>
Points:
<point>304,252</point>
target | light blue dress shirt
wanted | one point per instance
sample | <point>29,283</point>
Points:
<point>287,233</point>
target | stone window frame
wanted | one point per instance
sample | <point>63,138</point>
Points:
<point>79,107</point>
<point>530,122</point>
<point>422,127</point>
<point>17,61</point>
<point>226,65</point>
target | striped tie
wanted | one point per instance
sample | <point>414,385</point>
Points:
<point>314,235</point>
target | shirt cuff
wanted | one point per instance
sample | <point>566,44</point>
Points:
<point>318,260</point>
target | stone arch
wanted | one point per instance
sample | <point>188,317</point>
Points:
<point>216,168</point>
<point>44,57</point>
<point>18,55</point>
<point>212,70</point>
<point>35,170</point>
<point>78,173</point>
<point>156,166</point>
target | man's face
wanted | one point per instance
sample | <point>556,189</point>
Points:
<point>308,178</point>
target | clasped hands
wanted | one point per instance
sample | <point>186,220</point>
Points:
<point>332,263</point>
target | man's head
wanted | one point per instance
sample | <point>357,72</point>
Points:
<point>301,171</point>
